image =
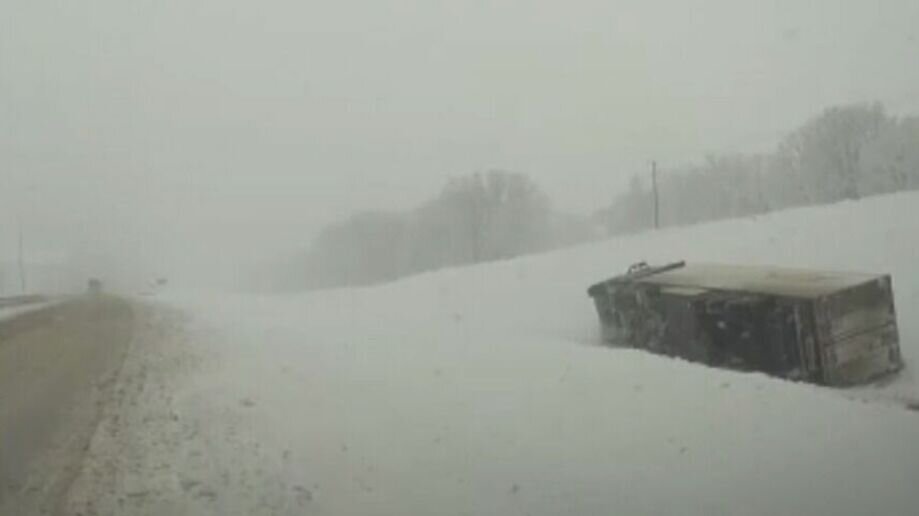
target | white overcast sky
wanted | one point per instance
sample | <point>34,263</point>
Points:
<point>237,128</point>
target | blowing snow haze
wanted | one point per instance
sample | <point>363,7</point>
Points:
<point>411,257</point>
<point>195,138</point>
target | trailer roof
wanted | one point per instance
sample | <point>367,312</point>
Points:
<point>760,279</point>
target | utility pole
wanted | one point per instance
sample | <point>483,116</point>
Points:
<point>22,267</point>
<point>657,212</point>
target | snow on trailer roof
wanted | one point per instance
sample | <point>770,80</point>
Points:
<point>778,281</point>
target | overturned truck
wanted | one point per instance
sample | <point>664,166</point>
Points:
<point>828,328</point>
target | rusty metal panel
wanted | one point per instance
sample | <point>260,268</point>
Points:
<point>861,308</point>
<point>858,333</point>
<point>863,357</point>
<point>860,320</point>
<point>855,347</point>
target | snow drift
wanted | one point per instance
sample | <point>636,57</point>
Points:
<point>481,390</point>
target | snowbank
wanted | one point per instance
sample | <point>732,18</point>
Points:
<point>481,391</point>
<point>11,312</point>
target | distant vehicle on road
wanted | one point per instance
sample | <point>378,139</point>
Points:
<point>828,328</point>
<point>95,286</point>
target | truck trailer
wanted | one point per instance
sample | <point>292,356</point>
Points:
<point>829,328</point>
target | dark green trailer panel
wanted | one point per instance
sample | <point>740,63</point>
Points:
<point>831,328</point>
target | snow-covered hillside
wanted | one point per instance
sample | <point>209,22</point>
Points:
<point>481,390</point>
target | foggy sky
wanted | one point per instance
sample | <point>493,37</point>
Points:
<point>178,135</point>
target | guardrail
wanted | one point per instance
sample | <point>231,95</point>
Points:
<point>21,300</point>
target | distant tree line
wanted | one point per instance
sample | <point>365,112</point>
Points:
<point>475,218</point>
<point>846,152</point>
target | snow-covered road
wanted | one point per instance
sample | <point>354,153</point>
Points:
<point>480,391</point>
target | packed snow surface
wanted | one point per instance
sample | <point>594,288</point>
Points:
<point>482,390</point>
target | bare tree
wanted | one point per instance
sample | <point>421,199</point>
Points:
<point>827,150</point>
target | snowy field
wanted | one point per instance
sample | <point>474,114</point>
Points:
<point>482,391</point>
